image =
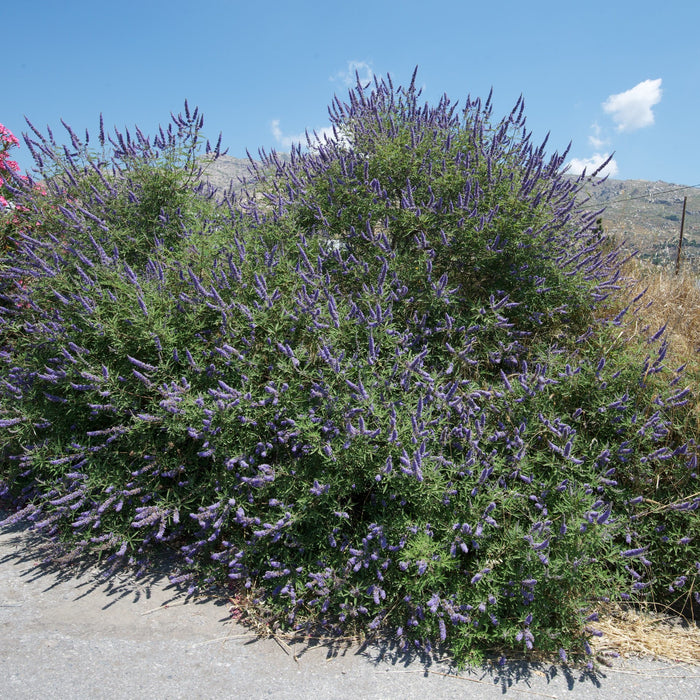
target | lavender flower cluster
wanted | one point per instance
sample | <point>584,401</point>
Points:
<point>380,395</point>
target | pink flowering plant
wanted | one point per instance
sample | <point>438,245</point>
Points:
<point>12,183</point>
<point>16,219</point>
<point>9,177</point>
<point>392,394</point>
<point>7,167</point>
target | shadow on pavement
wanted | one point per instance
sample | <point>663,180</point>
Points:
<point>148,627</point>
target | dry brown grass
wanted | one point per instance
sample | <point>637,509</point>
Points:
<point>632,631</point>
<point>658,297</point>
<point>670,299</point>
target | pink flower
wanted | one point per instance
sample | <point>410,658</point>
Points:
<point>8,136</point>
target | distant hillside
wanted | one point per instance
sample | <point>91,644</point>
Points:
<point>226,172</point>
<point>648,216</point>
<point>645,214</point>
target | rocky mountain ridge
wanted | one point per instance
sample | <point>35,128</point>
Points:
<point>647,216</point>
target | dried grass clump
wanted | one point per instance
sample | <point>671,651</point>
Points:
<point>658,298</point>
<point>632,631</point>
<point>672,300</point>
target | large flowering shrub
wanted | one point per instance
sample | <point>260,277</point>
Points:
<point>389,394</point>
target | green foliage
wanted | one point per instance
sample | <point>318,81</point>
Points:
<point>380,403</point>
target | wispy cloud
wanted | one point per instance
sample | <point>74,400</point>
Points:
<point>596,139</point>
<point>576,166</point>
<point>631,109</point>
<point>348,77</point>
<point>286,141</point>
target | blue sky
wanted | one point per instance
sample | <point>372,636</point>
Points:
<point>613,76</point>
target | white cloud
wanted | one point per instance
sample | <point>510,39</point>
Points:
<point>348,77</point>
<point>631,109</point>
<point>577,165</point>
<point>595,138</point>
<point>286,141</point>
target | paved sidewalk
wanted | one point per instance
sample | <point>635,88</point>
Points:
<point>67,633</point>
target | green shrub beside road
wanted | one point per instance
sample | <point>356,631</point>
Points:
<point>381,398</point>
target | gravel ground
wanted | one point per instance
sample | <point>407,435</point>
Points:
<point>69,633</point>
